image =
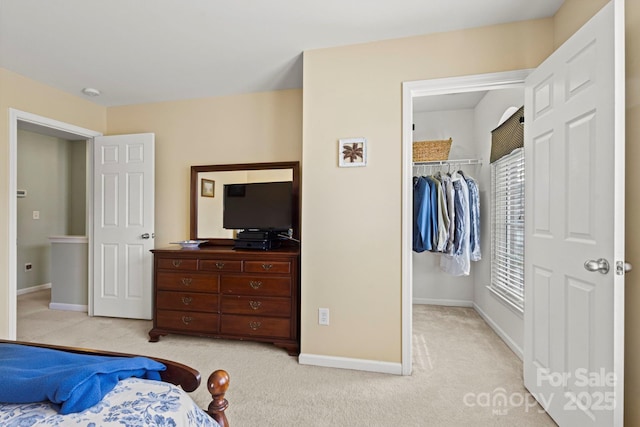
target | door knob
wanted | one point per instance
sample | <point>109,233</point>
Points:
<point>601,265</point>
<point>147,235</point>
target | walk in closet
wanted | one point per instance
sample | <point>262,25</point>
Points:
<point>468,119</point>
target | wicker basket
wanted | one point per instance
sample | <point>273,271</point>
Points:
<point>425,151</point>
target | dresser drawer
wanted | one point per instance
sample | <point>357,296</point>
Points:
<point>277,267</point>
<point>255,326</point>
<point>167,300</point>
<point>188,321</point>
<point>177,264</point>
<point>186,281</point>
<point>220,265</point>
<point>260,306</point>
<point>256,285</point>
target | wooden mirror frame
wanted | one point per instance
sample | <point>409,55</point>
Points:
<point>195,192</point>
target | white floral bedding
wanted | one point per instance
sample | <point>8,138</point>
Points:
<point>134,402</point>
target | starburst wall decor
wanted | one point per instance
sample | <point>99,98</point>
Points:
<point>352,152</point>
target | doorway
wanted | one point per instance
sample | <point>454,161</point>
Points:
<point>51,209</point>
<point>28,121</point>
<point>411,92</point>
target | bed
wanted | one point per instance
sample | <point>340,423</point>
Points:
<point>138,400</point>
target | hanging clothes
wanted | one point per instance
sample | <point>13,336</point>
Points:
<point>459,263</point>
<point>450,195</point>
<point>474,225</point>
<point>447,219</point>
<point>421,215</point>
<point>433,209</point>
<point>443,215</point>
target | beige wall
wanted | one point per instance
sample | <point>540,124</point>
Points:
<point>351,217</point>
<point>259,127</point>
<point>572,15</point>
<point>27,95</point>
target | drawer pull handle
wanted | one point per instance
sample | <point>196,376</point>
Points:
<point>187,281</point>
<point>220,265</point>
<point>187,300</point>
<point>255,304</point>
<point>267,267</point>
<point>255,325</point>
<point>255,284</point>
<point>176,262</point>
<point>187,319</point>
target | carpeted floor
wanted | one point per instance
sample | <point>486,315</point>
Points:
<point>462,372</point>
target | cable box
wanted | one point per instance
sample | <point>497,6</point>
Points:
<point>263,245</point>
<point>257,235</point>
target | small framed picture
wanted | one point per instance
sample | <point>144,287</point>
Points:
<point>207,188</point>
<point>352,152</point>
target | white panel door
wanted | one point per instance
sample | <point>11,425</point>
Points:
<point>574,148</point>
<point>123,225</point>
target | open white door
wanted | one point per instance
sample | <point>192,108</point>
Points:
<point>574,148</point>
<point>123,225</point>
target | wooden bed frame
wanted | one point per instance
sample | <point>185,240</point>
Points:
<point>176,373</point>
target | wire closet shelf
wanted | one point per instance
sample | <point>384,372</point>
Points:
<point>449,164</point>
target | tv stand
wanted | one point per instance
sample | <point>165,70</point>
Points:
<point>257,239</point>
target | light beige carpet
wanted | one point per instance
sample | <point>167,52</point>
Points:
<point>461,369</point>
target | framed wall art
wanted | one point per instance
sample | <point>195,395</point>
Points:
<point>207,188</point>
<point>352,152</point>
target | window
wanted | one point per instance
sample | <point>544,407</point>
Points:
<point>507,222</point>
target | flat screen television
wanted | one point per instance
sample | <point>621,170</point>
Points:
<point>258,206</point>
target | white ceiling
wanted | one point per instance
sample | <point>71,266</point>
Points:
<point>139,51</point>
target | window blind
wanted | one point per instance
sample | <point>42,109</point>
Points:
<point>507,222</point>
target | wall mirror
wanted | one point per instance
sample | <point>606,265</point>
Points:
<point>207,184</point>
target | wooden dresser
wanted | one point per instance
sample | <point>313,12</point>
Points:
<point>219,292</point>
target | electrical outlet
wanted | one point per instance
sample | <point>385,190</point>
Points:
<point>323,316</point>
<point>36,214</point>
<point>28,266</point>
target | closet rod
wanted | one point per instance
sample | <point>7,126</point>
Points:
<point>450,162</point>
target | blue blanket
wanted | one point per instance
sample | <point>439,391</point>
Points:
<point>74,381</point>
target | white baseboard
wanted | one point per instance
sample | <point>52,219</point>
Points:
<point>447,302</point>
<point>67,307</point>
<point>396,368</point>
<point>349,363</point>
<point>502,334</point>
<point>33,289</point>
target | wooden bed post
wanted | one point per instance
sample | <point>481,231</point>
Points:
<point>217,385</point>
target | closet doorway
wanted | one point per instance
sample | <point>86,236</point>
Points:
<point>450,138</point>
<point>462,289</point>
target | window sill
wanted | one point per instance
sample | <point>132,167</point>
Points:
<point>513,307</point>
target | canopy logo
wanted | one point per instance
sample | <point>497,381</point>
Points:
<point>580,390</point>
<point>501,402</point>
